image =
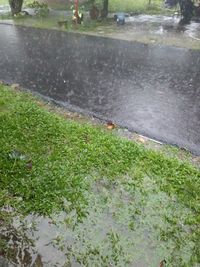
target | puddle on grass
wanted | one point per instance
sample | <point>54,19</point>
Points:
<point>163,25</point>
<point>144,28</point>
<point>156,28</point>
<point>127,223</point>
<point>4,9</point>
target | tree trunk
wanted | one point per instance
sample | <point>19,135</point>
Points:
<point>187,9</point>
<point>16,6</point>
<point>104,11</point>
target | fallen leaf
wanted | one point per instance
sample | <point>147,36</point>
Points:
<point>110,125</point>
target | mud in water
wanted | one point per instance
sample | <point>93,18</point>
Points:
<point>127,223</point>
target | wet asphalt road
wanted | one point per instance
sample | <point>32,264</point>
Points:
<point>153,90</point>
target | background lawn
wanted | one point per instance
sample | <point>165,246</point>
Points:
<point>137,6</point>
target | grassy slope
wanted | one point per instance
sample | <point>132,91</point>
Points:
<point>49,164</point>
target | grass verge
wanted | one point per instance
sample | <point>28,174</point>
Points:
<point>52,22</point>
<point>52,165</point>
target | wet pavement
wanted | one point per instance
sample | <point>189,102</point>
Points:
<point>161,28</point>
<point>151,89</point>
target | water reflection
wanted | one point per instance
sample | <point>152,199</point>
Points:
<point>164,25</point>
<point>129,223</point>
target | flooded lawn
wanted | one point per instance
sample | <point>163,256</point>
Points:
<point>72,195</point>
<point>89,198</point>
<point>4,9</point>
<point>164,30</point>
<point>126,223</point>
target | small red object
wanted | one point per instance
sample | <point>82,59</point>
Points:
<point>110,125</point>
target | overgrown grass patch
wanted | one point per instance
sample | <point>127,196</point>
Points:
<point>49,165</point>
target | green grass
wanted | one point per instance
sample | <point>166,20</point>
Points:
<point>51,22</point>
<point>49,164</point>
<point>3,2</point>
<point>136,6</point>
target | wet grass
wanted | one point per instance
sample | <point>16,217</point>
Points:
<point>51,22</point>
<point>3,2</point>
<point>116,194</point>
<point>138,6</point>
